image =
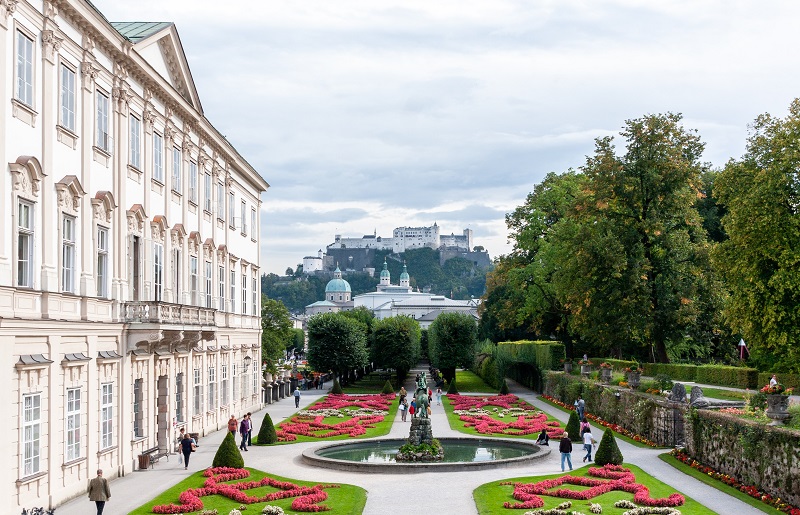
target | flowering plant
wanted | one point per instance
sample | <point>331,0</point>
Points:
<point>634,368</point>
<point>605,365</point>
<point>585,362</point>
<point>567,361</point>
<point>777,389</point>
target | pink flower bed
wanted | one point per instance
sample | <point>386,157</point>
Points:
<point>307,497</point>
<point>527,424</point>
<point>314,427</point>
<point>605,479</point>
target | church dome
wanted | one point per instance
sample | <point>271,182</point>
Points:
<point>385,271</point>
<point>404,275</point>
<point>337,284</point>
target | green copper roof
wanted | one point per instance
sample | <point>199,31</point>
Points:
<point>136,31</point>
<point>404,275</point>
<point>385,271</point>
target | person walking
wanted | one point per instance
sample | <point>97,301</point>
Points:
<point>588,440</point>
<point>296,398</point>
<point>249,429</point>
<point>244,428</point>
<point>186,449</point>
<point>402,407</point>
<point>233,425</point>
<point>99,492</point>
<point>580,407</point>
<point>565,448</point>
<point>438,396</point>
<point>412,408</point>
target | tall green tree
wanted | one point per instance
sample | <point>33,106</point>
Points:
<point>336,343</point>
<point>396,344</point>
<point>276,333</point>
<point>760,261</point>
<point>452,338</point>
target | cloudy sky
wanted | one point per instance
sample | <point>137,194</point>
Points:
<point>369,115</point>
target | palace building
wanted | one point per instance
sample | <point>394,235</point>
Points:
<point>129,252</point>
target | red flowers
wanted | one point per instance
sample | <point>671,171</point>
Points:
<point>307,500</point>
<point>611,477</point>
<point>313,426</point>
<point>524,418</point>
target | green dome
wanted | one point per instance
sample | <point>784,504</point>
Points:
<point>404,275</point>
<point>337,284</point>
<point>385,271</point>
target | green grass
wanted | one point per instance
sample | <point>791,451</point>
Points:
<point>345,500</point>
<point>719,485</point>
<point>725,395</point>
<point>489,498</point>
<point>467,382</point>
<point>457,425</point>
<point>371,383</point>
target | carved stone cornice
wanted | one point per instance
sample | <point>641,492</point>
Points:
<point>187,146</point>
<point>89,72</point>
<point>122,96</point>
<point>170,132</point>
<point>50,10</point>
<point>7,7</point>
<point>51,44</point>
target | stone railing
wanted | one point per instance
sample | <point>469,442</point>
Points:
<point>153,312</point>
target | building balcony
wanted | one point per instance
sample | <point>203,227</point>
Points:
<point>155,312</point>
<point>162,327</point>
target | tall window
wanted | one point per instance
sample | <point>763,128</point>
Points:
<point>220,201</point>
<point>224,386</point>
<point>179,410</point>
<point>106,415</point>
<point>31,433</point>
<point>198,392</point>
<point>135,157</point>
<point>193,181</point>
<point>138,412</point>
<point>232,209</point>
<point>255,295</point>
<point>24,70</point>
<point>158,157</point>
<point>209,270</point>
<point>73,425</point>
<point>212,388</point>
<point>176,169</point>
<point>233,290</point>
<point>235,383</point>
<point>193,280</point>
<point>253,222</point>
<point>102,262</point>
<point>245,382</point>
<point>207,192</point>
<point>256,376</point>
<point>244,220</point>
<point>67,97</point>
<point>176,274</point>
<point>68,254</point>
<point>244,294</point>
<point>158,270</point>
<point>25,236</point>
<point>221,288</point>
<point>103,136</point>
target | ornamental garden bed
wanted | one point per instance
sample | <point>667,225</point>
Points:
<point>337,417</point>
<point>603,486</point>
<point>498,415</point>
<point>224,489</point>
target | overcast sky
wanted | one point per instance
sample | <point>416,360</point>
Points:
<point>369,115</point>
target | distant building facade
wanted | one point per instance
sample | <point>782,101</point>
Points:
<point>406,238</point>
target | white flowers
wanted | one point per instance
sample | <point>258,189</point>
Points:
<point>653,510</point>
<point>564,505</point>
<point>595,508</point>
<point>234,512</point>
<point>272,510</point>
<point>624,503</point>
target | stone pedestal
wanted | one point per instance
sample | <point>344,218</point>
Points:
<point>634,378</point>
<point>605,375</point>
<point>777,408</point>
<point>586,370</point>
<point>420,431</point>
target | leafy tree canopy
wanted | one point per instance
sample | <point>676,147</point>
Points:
<point>396,344</point>
<point>276,335</point>
<point>452,338</point>
<point>336,343</point>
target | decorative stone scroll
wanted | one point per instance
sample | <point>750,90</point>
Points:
<point>103,206</point>
<point>69,192</point>
<point>136,218</point>
<point>26,176</point>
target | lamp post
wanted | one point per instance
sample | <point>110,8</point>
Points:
<point>247,360</point>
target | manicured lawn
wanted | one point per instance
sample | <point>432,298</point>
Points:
<point>344,500</point>
<point>467,382</point>
<point>725,395</point>
<point>457,424</point>
<point>370,383</point>
<point>489,498</point>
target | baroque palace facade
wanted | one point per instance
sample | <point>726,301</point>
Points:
<point>129,252</point>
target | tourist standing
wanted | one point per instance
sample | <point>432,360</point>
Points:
<point>580,407</point>
<point>565,448</point>
<point>587,445</point>
<point>244,428</point>
<point>99,492</point>
<point>402,409</point>
<point>412,408</point>
<point>773,381</point>
<point>296,397</point>
<point>233,425</point>
<point>438,396</point>
<point>249,429</point>
<point>186,449</point>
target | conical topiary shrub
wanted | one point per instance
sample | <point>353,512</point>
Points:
<point>608,451</point>
<point>337,388</point>
<point>228,454</point>
<point>387,387</point>
<point>452,388</point>
<point>266,433</point>
<point>504,388</point>
<point>574,427</point>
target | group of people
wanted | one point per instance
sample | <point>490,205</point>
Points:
<point>409,408</point>
<point>565,445</point>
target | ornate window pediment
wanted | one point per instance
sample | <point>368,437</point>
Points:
<point>178,234</point>
<point>158,228</point>
<point>102,206</point>
<point>27,176</point>
<point>69,193</point>
<point>194,242</point>
<point>136,218</point>
<point>208,248</point>
<point>222,252</point>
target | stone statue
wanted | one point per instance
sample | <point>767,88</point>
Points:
<point>678,393</point>
<point>421,396</point>
<point>697,399</point>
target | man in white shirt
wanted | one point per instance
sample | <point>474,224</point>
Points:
<point>587,445</point>
<point>773,381</point>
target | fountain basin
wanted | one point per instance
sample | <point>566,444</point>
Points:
<point>377,456</point>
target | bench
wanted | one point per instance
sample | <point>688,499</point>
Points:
<point>153,455</point>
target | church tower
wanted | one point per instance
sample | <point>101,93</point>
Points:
<point>404,279</point>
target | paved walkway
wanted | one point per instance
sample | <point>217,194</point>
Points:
<point>446,492</point>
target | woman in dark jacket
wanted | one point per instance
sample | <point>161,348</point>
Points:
<point>186,449</point>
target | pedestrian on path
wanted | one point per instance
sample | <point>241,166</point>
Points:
<point>565,448</point>
<point>438,396</point>
<point>580,407</point>
<point>403,410</point>
<point>244,428</point>
<point>588,441</point>
<point>413,408</point>
<point>186,449</point>
<point>99,492</point>
<point>296,398</point>
<point>249,429</point>
<point>233,425</point>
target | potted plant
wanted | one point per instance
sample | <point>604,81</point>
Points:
<point>634,373</point>
<point>567,365</point>
<point>605,372</point>
<point>777,402</point>
<point>586,367</point>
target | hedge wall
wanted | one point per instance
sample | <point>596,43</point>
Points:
<point>617,364</point>
<point>738,377</point>
<point>525,361</point>
<point>788,380</point>
<point>674,371</point>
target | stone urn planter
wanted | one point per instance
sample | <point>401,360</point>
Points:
<point>605,375</point>
<point>568,368</point>
<point>634,378</point>
<point>586,370</point>
<point>777,408</point>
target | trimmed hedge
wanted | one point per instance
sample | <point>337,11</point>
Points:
<point>266,433</point>
<point>228,454</point>
<point>618,365</point>
<point>738,377</point>
<point>608,452</point>
<point>676,372</point>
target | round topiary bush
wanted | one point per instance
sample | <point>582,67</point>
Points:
<point>387,387</point>
<point>266,433</point>
<point>452,388</point>
<point>574,427</point>
<point>608,451</point>
<point>504,388</point>
<point>337,388</point>
<point>228,454</point>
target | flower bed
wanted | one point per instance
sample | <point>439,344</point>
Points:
<point>361,411</point>
<point>750,490</point>
<point>603,480</point>
<point>525,419</point>
<point>599,421</point>
<point>307,498</point>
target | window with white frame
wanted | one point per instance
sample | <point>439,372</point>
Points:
<point>103,140</point>
<point>220,201</point>
<point>135,139</point>
<point>67,97</point>
<point>31,433</point>
<point>176,274</point>
<point>234,380</point>
<point>209,273</point>
<point>212,388</point>
<point>72,440</point>
<point>25,237</point>
<point>102,262</point>
<point>68,254</point>
<point>193,280</point>
<point>24,87</point>
<point>223,390</point>
<point>198,392</point>
<point>253,223</point>
<point>158,157</point>
<point>255,294</point>
<point>177,163</point>
<point>106,415</point>
<point>256,375</point>
<point>244,294</point>
<point>207,192</point>
<point>233,291</point>
<point>245,382</point>
<point>138,409</point>
<point>193,181</point>
<point>232,209</point>
<point>158,270</point>
<point>221,288</point>
<point>179,402</point>
<point>244,220</point>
